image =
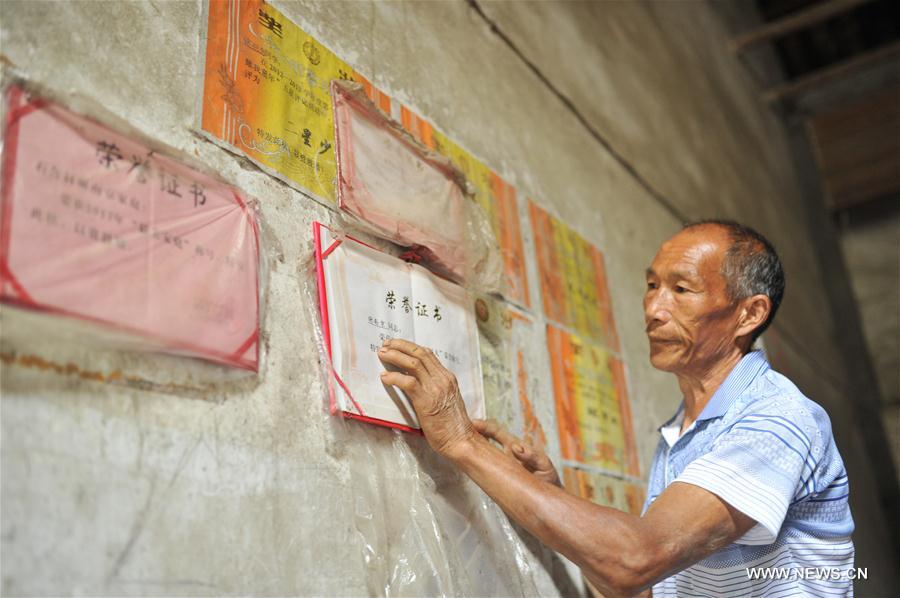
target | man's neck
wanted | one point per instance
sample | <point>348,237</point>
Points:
<point>699,387</point>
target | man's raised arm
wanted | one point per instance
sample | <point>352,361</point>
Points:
<point>619,553</point>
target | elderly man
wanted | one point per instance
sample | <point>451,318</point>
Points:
<point>747,491</point>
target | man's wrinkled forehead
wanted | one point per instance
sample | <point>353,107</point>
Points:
<point>693,250</point>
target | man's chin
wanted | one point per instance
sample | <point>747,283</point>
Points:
<point>664,358</point>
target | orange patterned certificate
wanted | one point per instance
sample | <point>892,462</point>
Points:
<point>573,279</point>
<point>495,196</point>
<point>592,409</point>
<point>605,490</point>
<point>266,93</point>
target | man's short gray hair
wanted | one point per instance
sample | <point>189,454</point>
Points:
<point>751,266</point>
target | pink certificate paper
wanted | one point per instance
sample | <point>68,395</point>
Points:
<point>98,227</point>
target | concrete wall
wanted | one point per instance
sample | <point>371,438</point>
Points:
<point>620,118</point>
<point>871,245</point>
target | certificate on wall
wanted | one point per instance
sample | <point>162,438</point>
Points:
<point>98,227</point>
<point>266,93</point>
<point>593,413</point>
<point>573,279</point>
<point>401,190</point>
<point>366,297</point>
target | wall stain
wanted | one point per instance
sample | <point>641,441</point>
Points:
<point>36,362</point>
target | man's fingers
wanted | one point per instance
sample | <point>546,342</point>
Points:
<point>411,349</point>
<point>403,361</point>
<point>405,383</point>
<point>404,345</point>
<point>486,427</point>
<point>537,462</point>
<point>534,460</point>
<point>491,429</point>
<point>432,362</point>
<point>528,457</point>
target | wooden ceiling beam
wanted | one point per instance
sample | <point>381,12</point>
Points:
<point>793,22</point>
<point>831,73</point>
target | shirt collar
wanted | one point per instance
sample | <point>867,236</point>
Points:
<point>671,430</point>
<point>748,368</point>
<point>672,419</point>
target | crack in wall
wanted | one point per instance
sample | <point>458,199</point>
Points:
<point>657,195</point>
<point>570,106</point>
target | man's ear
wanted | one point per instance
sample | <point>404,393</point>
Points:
<point>753,313</point>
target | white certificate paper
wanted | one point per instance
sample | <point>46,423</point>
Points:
<point>371,297</point>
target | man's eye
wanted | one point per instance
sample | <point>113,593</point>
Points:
<point>680,289</point>
<point>651,285</point>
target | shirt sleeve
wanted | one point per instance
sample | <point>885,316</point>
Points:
<point>758,467</point>
<point>655,481</point>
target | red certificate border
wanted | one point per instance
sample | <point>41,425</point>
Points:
<point>326,336</point>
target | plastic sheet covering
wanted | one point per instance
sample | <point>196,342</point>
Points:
<point>408,194</point>
<point>426,530</point>
<point>423,528</point>
<point>101,228</point>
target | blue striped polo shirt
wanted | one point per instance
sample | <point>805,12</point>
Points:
<point>767,450</point>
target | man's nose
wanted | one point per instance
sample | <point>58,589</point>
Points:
<point>656,308</point>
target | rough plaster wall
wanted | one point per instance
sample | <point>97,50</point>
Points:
<point>119,490</point>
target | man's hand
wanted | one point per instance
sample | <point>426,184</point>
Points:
<point>434,393</point>
<point>531,458</point>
